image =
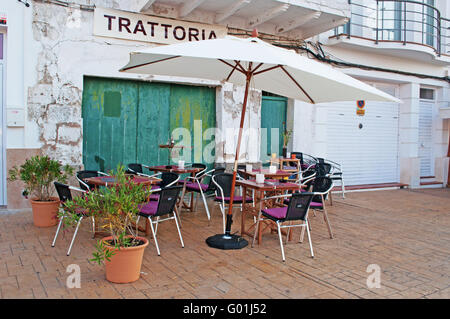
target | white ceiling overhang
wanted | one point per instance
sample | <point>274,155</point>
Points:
<point>296,19</point>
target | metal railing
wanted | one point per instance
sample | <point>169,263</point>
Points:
<point>402,21</point>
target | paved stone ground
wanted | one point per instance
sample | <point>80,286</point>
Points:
<point>405,232</point>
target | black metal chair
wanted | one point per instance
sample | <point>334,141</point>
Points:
<point>81,175</point>
<point>196,185</point>
<point>65,194</point>
<point>153,210</point>
<point>167,179</point>
<point>334,171</point>
<point>306,160</point>
<point>321,188</point>
<point>138,169</point>
<point>297,210</point>
<point>222,182</point>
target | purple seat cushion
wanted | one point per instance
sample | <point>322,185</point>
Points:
<point>236,199</point>
<point>148,208</point>
<point>193,186</point>
<point>154,197</point>
<point>277,212</point>
<point>316,205</point>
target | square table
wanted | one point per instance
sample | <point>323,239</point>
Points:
<point>279,174</point>
<point>175,169</point>
<point>266,189</point>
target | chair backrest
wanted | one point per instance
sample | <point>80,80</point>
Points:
<point>167,200</point>
<point>223,181</point>
<point>212,185</point>
<point>298,206</point>
<point>168,179</point>
<point>202,166</point>
<point>81,175</point>
<point>322,184</point>
<point>134,168</point>
<point>63,191</point>
<point>323,168</point>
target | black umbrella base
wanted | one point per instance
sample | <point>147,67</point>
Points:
<point>223,241</point>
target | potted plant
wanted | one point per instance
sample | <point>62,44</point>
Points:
<point>115,209</point>
<point>38,173</point>
<point>286,137</point>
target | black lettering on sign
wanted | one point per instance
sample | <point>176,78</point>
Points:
<point>152,33</point>
<point>124,23</point>
<point>193,33</point>
<point>110,18</point>
<point>203,34</point>
<point>212,35</point>
<point>177,35</point>
<point>166,30</point>
<point>139,28</point>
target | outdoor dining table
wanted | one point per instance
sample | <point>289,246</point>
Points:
<point>185,170</point>
<point>270,187</point>
<point>279,174</point>
<point>111,180</point>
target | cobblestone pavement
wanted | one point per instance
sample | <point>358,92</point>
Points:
<point>405,232</point>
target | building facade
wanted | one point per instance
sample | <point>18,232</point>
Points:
<point>401,47</point>
<point>62,93</point>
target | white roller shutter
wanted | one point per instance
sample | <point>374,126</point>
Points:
<point>426,138</point>
<point>369,155</point>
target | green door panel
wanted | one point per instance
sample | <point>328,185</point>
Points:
<point>153,123</point>
<point>109,122</point>
<point>193,121</point>
<point>125,121</point>
<point>273,116</point>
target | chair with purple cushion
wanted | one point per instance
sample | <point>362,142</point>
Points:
<point>81,175</point>
<point>321,188</point>
<point>153,210</point>
<point>167,179</point>
<point>297,210</point>
<point>65,194</point>
<point>196,185</point>
<point>222,184</point>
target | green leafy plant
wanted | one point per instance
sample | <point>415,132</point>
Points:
<point>286,135</point>
<point>38,173</point>
<point>114,208</point>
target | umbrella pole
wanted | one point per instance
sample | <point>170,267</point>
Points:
<point>228,241</point>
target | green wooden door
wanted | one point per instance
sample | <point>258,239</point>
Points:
<point>125,121</point>
<point>109,123</point>
<point>192,122</point>
<point>273,117</point>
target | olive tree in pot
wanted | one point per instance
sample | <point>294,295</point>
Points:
<point>38,173</point>
<point>115,209</point>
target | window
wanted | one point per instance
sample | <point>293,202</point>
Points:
<point>427,94</point>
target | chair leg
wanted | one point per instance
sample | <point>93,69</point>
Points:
<point>302,233</point>
<point>256,227</point>
<point>157,224</point>
<point>281,241</point>
<point>137,225</point>
<point>222,210</point>
<point>74,235</point>
<point>310,242</point>
<point>327,221</point>
<point>178,228</point>
<point>57,231</point>
<point>205,203</point>
<point>93,227</point>
<point>343,188</point>
<point>331,199</point>
<point>154,235</point>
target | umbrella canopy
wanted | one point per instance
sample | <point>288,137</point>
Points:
<point>251,62</point>
<point>291,75</point>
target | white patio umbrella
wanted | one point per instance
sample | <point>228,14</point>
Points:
<point>252,62</point>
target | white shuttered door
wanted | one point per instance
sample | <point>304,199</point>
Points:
<point>426,138</point>
<point>368,155</point>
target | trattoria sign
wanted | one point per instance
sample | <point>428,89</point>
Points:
<point>138,27</point>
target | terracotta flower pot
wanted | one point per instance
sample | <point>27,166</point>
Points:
<point>45,212</point>
<point>125,264</point>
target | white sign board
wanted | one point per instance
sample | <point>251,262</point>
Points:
<point>138,27</point>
